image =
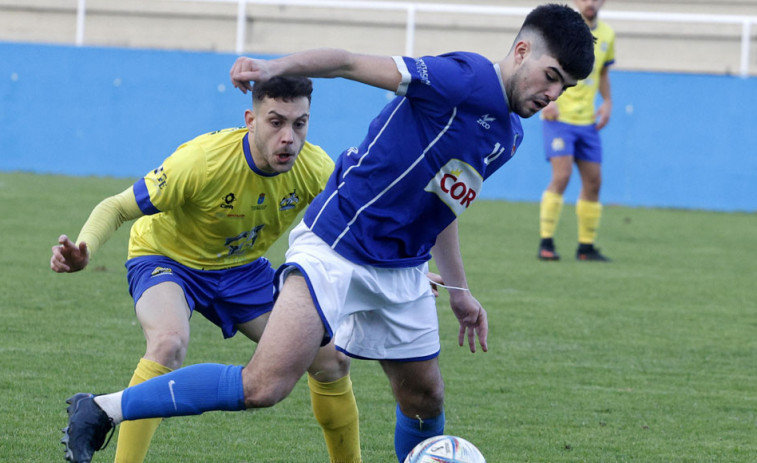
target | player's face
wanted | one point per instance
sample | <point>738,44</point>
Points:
<point>536,82</point>
<point>589,8</point>
<point>277,132</point>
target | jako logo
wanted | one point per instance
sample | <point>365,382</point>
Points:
<point>457,184</point>
<point>422,69</point>
<point>484,120</point>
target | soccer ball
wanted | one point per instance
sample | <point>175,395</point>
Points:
<point>445,449</point>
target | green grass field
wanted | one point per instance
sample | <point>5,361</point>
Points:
<point>650,358</point>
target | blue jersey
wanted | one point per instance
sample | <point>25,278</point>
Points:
<point>422,163</point>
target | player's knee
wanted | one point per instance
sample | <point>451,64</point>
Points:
<point>433,400</point>
<point>264,392</point>
<point>263,397</point>
<point>168,348</point>
<point>330,366</point>
<point>424,401</point>
<point>560,182</point>
<point>590,191</point>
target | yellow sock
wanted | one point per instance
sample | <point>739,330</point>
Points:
<point>549,213</point>
<point>335,410</point>
<point>134,436</point>
<point>588,213</point>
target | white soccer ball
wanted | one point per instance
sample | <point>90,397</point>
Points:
<point>445,449</point>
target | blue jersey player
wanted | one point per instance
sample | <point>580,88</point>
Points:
<point>355,267</point>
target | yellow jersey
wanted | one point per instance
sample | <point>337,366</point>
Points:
<point>576,104</point>
<point>208,207</point>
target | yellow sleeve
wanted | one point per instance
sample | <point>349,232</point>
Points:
<point>328,169</point>
<point>325,167</point>
<point>106,217</point>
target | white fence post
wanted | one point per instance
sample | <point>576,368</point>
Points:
<point>241,26</point>
<point>410,31</point>
<point>81,12</point>
<point>746,36</point>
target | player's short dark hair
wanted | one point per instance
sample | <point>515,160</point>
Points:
<point>567,37</point>
<point>285,88</point>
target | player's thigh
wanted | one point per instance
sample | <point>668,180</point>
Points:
<point>417,386</point>
<point>288,346</point>
<point>253,329</point>
<point>329,364</point>
<point>163,313</point>
<point>562,166</point>
<point>163,307</point>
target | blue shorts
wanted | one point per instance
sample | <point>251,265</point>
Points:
<point>225,297</point>
<point>580,141</point>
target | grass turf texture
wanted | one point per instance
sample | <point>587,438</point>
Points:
<point>649,358</point>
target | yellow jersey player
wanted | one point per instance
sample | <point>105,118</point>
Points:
<point>571,135</point>
<point>205,218</point>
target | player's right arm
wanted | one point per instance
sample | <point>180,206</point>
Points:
<point>468,310</point>
<point>378,71</point>
<point>103,221</point>
<point>605,109</point>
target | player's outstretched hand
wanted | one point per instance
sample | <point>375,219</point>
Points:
<point>246,70</point>
<point>472,318</point>
<point>68,257</point>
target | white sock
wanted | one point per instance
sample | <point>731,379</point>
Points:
<point>111,405</point>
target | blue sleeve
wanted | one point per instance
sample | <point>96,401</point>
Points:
<point>440,82</point>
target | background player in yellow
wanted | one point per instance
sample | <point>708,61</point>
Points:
<point>571,135</point>
<point>205,218</point>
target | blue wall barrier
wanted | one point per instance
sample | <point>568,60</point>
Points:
<point>680,141</point>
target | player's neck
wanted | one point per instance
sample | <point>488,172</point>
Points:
<point>592,23</point>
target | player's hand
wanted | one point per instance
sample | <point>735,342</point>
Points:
<point>603,114</point>
<point>435,280</point>
<point>472,318</point>
<point>550,112</point>
<point>68,257</point>
<point>246,70</point>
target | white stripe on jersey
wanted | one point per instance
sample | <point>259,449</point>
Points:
<point>374,140</point>
<point>360,161</point>
<point>407,171</point>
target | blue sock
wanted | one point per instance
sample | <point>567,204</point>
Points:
<point>191,390</point>
<point>409,432</point>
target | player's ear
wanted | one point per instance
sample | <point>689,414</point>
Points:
<point>249,119</point>
<point>521,51</point>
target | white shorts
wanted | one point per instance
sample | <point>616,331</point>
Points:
<point>372,313</point>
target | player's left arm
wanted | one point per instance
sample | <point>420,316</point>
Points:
<point>469,312</point>
<point>375,70</point>
<point>604,110</point>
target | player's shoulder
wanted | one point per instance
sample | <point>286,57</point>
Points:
<point>604,31</point>
<point>213,147</point>
<point>468,57</point>
<point>218,138</point>
<point>313,154</point>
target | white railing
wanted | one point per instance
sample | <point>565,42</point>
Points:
<point>411,8</point>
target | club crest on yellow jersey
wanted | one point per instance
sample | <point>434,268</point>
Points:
<point>289,202</point>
